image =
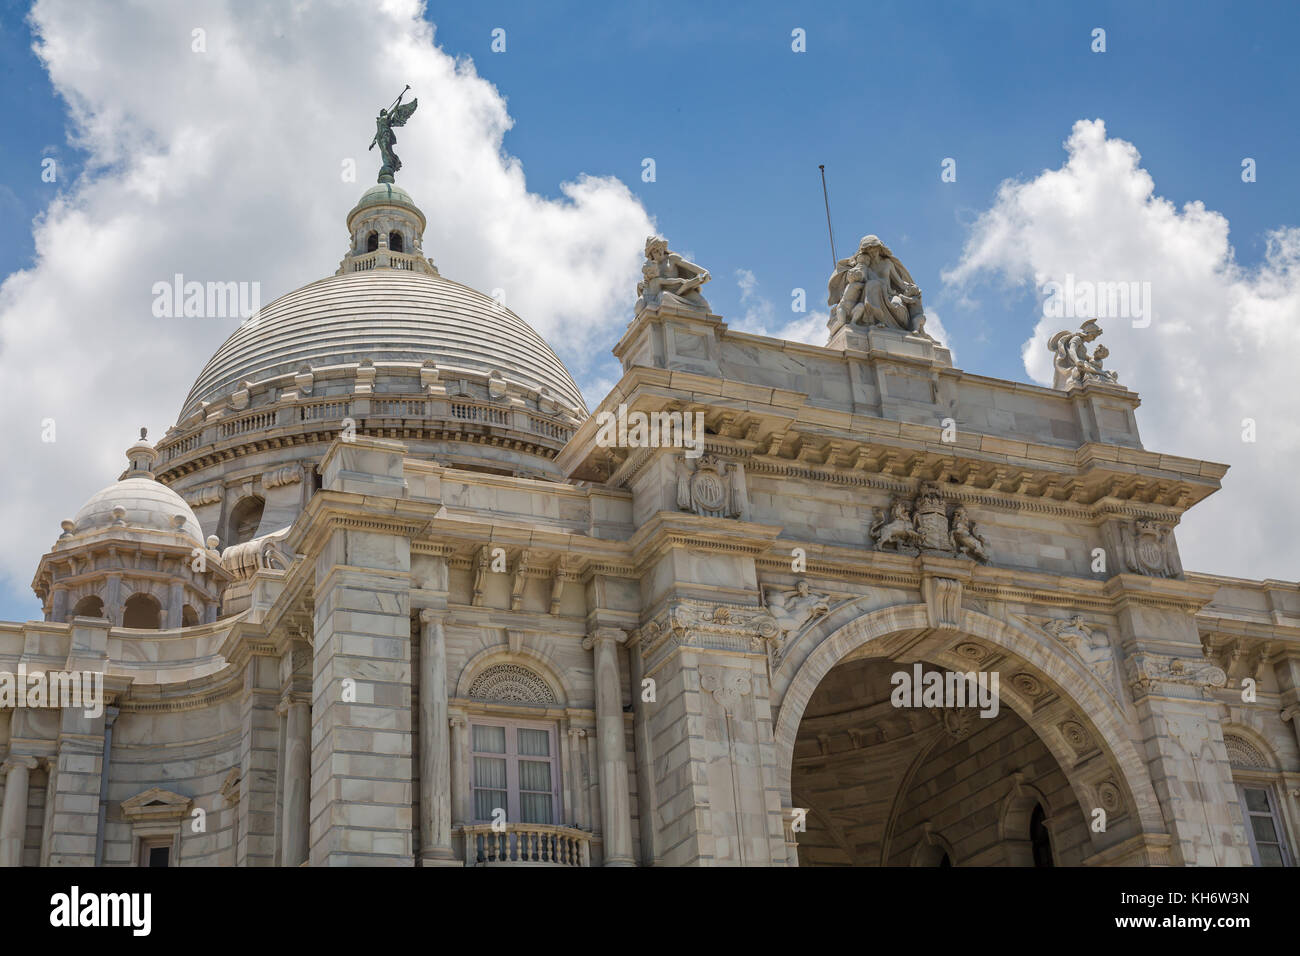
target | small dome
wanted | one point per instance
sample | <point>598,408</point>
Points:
<point>144,504</point>
<point>382,194</point>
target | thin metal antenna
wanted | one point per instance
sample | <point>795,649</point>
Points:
<point>835,260</point>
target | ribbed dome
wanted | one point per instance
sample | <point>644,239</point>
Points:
<point>385,315</point>
<point>147,505</point>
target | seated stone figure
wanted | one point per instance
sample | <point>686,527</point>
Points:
<point>1070,359</point>
<point>668,277</point>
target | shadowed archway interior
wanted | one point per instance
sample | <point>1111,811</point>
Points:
<point>924,786</point>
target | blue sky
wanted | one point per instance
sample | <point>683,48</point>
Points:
<point>737,124</point>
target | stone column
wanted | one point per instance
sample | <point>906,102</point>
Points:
<point>297,780</point>
<point>460,812</point>
<point>13,816</point>
<point>581,800</point>
<point>259,747</point>
<point>113,599</point>
<point>175,605</point>
<point>59,605</point>
<point>435,765</point>
<point>616,806</point>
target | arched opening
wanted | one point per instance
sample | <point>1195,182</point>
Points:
<point>395,242</point>
<point>882,771</point>
<point>189,616</point>
<point>142,611</point>
<point>1039,838</point>
<point>372,241</point>
<point>90,606</point>
<point>244,520</point>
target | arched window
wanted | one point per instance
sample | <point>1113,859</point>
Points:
<point>372,242</point>
<point>143,611</point>
<point>395,242</point>
<point>189,616</point>
<point>89,607</point>
<point>1040,838</point>
<point>244,519</point>
<point>514,763</point>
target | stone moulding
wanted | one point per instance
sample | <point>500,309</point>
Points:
<point>155,804</point>
<point>204,495</point>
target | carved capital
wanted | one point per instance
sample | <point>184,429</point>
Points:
<point>19,760</point>
<point>293,696</point>
<point>615,634</point>
<point>431,615</point>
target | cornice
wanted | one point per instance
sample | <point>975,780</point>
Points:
<point>680,529</point>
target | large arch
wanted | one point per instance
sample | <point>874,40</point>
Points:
<point>905,632</point>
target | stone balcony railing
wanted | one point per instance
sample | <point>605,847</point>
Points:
<point>386,259</point>
<point>228,431</point>
<point>526,844</point>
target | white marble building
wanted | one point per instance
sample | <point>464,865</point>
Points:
<point>385,595</point>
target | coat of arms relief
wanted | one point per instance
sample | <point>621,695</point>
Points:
<point>926,525</point>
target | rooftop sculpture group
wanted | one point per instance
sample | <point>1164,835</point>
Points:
<point>1072,363</point>
<point>872,288</point>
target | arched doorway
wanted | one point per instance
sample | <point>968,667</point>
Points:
<point>1059,714</point>
<point>888,781</point>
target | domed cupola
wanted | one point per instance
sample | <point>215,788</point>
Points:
<point>387,230</point>
<point>135,554</point>
<point>386,346</point>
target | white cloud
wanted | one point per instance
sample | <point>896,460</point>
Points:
<point>1221,347</point>
<point>760,316</point>
<point>225,165</point>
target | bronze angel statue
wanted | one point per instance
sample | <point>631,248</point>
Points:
<point>385,138</point>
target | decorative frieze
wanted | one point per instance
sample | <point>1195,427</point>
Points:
<point>1154,673</point>
<point>737,628</point>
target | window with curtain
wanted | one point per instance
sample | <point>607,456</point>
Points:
<point>1263,828</point>
<point>514,767</point>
